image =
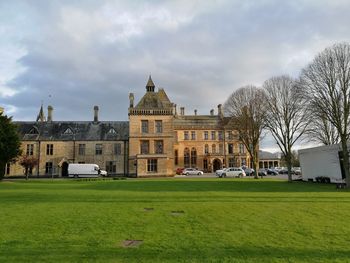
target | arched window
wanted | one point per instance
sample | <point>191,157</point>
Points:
<point>213,148</point>
<point>206,149</point>
<point>187,157</point>
<point>193,157</point>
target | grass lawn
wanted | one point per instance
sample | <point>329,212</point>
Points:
<point>223,220</point>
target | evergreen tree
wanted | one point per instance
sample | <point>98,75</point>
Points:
<point>10,143</point>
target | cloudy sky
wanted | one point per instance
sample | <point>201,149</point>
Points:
<point>76,54</point>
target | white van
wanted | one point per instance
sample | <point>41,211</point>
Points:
<point>85,170</point>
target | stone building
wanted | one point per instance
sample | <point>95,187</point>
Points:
<point>155,141</point>
<point>162,140</point>
<point>57,143</point>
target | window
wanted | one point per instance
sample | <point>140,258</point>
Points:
<point>81,149</point>
<point>48,168</point>
<point>205,164</point>
<point>230,135</point>
<point>111,167</point>
<point>213,135</point>
<point>30,149</point>
<point>244,162</point>
<point>33,130</point>
<point>144,126</point>
<point>49,149</point>
<point>206,135</point>
<point>221,148</point>
<point>241,148</point>
<point>152,165</point>
<point>206,149</point>
<point>8,165</point>
<point>230,148</point>
<point>193,135</point>
<point>176,157</point>
<point>186,135</point>
<point>117,149</point>
<point>186,157</point>
<point>220,135</point>
<point>98,149</point>
<point>158,146</point>
<point>213,148</point>
<point>193,157</point>
<point>112,131</point>
<point>68,131</point>
<point>231,162</point>
<point>159,127</point>
<point>144,147</point>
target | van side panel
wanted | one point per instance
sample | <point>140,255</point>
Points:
<point>83,170</point>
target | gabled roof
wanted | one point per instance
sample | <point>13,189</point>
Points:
<point>81,131</point>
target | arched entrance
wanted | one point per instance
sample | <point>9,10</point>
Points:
<point>64,169</point>
<point>216,165</point>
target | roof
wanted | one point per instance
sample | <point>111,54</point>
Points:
<point>269,156</point>
<point>70,130</point>
<point>154,100</point>
<point>150,82</point>
<point>197,122</point>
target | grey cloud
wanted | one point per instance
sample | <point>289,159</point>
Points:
<point>200,61</point>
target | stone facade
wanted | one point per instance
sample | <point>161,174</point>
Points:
<point>55,144</point>
<point>203,141</point>
<point>155,141</point>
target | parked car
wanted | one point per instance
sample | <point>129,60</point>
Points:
<point>219,172</point>
<point>249,171</point>
<point>192,171</point>
<point>271,171</point>
<point>179,170</point>
<point>262,172</point>
<point>233,172</point>
<point>297,170</point>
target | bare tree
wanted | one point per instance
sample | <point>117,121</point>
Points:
<point>320,129</point>
<point>327,80</point>
<point>287,120</point>
<point>246,110</point>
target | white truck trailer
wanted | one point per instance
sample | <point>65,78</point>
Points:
<point>322,164</point>
<point>85,170</point>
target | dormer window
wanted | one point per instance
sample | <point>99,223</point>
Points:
<point>33,130</point>
<point>112,131</point>
<point>68,131</point>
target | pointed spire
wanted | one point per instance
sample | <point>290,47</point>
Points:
<point>41,115</point>
<point>150,85</point>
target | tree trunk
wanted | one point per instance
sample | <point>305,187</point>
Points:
<point>26,173</point>
<point>256,168</point>
<point>2,170</point>
<point>289,166</point>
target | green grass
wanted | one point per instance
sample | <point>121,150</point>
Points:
<point>227,220</point>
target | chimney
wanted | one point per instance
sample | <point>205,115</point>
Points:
<point>175,109</point>
<point>131,99</point>
<point>212,112</point>
<point>49,113</point>
<point>182,111</point>
<point>95,113</point>
<point>195,112</point>
<point>220,111</point>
